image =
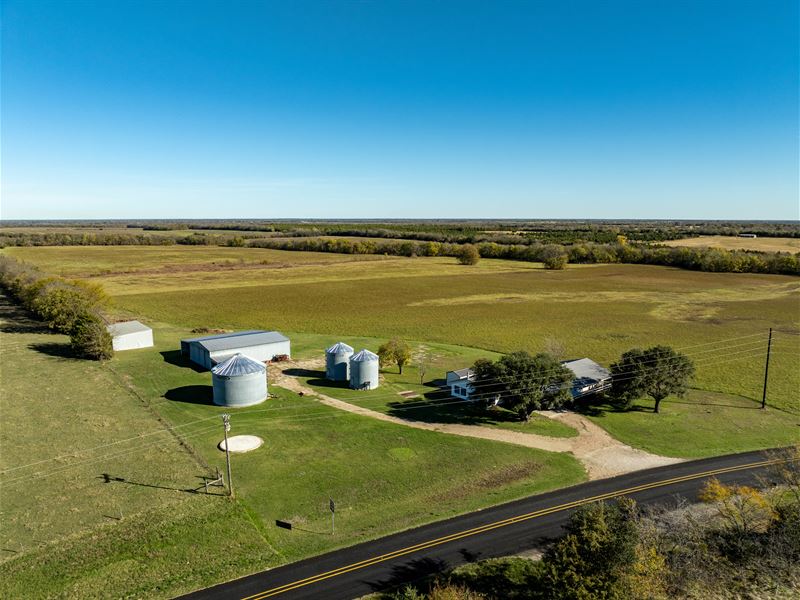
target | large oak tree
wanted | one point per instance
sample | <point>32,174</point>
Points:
<point>657,372</point>
<point>522,383</point>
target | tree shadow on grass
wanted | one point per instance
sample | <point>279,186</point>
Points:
<point>687,402</point>
<point>436,383</point>
<point>177,358</point>
<point>56,350</point>
<point>599,407</point>
<point>192,394</point>
<point>15,319</point>
<point>440,407</point>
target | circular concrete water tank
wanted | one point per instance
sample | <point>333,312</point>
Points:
<point>239,381</point>
<point>364,368</point>
<point>337,362</point>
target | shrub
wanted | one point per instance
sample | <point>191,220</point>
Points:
<point>90,338</point>
<point>468,255</point>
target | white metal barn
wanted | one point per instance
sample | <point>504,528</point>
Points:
<point>130,335</point>
<point>212,349</point>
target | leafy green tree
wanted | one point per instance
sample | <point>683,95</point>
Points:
<point>656,372</point>
<point>90,338</point>
<point>468,255</point>
<point>522,382</point>
<point>595,557</point>
<point>61,302</point>
<point>395,351</point>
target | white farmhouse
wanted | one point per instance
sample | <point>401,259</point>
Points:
<point>460,383</point>
<point>590,378</point>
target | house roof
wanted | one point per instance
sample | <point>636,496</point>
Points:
<point>238,364</point>
<point>587,369</point>
<point>338,348</point>
<point>364,356</point>
<point>239,339</point>
<point>126,327</point>
<point>465,373</point>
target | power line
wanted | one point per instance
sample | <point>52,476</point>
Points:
<point>404,406</point>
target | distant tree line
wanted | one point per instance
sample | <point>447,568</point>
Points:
<point>520,232</point>
<point>72,307</point>
<point>556,256</point>
<point>552,255</point>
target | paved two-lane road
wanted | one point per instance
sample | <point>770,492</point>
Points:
<point>498,531</point>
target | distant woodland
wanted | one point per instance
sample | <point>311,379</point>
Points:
<point>554,243</point>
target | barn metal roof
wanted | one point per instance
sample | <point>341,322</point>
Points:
<point>238,364</point>
<point>239,339</point>
<point>338,348</point>
<point>364,356</point>
<point>126,327</point>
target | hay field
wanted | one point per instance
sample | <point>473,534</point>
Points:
<point>599,311</point>
<point>727,242</point>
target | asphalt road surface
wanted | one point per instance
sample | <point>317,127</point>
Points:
<point>498,531</point>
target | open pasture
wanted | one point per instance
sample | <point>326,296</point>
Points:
<point>728,242</point>
<point>97,483</point>
<point>719,319</point>
<point>385,477</point>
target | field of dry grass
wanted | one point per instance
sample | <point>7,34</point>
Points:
<point>763,244</point>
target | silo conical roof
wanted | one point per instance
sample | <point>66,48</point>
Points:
<point>364,356</point>
<point>339,347</point>
<point>238,364</point>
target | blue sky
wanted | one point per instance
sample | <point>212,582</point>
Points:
<point>400,109</point>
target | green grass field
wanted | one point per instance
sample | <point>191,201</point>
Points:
<point>431,401</point>
<point>699,425</point>
<point>599,311</point>
<point>124,515</point>
<point>385,477</point>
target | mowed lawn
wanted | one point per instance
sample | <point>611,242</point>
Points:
<point>384,477</point>
<point>109,516</point>
<point>700,424</point>
<point>96,494</point>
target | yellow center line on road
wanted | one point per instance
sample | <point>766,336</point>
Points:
<point>497,524</point>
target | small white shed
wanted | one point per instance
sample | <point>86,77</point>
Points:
<point>130,335</point>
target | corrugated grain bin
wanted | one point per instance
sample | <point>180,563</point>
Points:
<point>337,362</point>
<point>239,381</point>
<point>364,371</point>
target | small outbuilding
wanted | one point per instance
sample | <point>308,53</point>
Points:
<point>364,371</point>
<point>239,381</point>
<point>130,335</point>
<point>337,362</point>
<point>259,345</point>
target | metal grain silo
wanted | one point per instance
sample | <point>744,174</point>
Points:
<point>364,368</point>
<point>239,381</point>
<point>337,362</point>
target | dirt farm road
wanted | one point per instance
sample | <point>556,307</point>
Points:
<point>601,455</point>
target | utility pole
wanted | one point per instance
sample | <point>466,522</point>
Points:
<point>226,427</point>
<point>766,371</point>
